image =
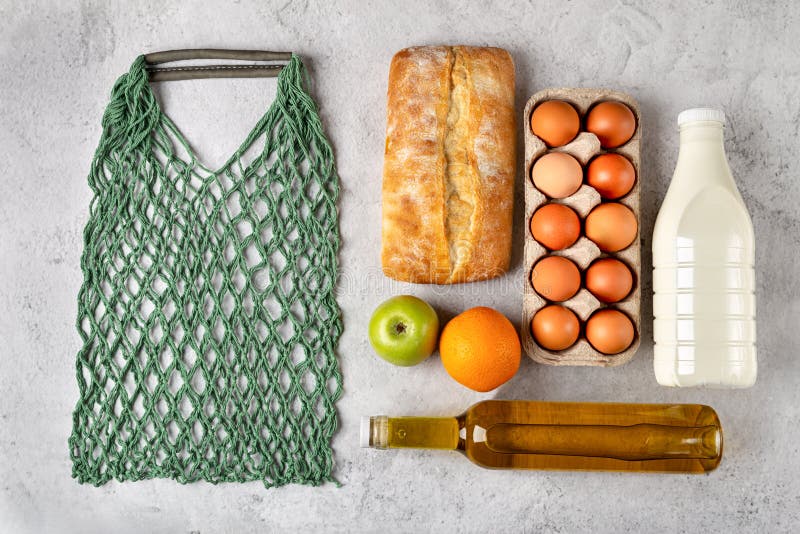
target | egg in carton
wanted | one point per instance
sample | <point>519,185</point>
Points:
<point>583,252</point>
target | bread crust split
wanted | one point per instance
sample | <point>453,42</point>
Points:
<point>449,162</point>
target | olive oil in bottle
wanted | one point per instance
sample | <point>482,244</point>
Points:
<point>677,438</point>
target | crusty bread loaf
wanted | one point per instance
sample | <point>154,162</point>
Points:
<point>448,176</point>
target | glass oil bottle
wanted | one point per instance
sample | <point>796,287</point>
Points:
<point>677,438</point>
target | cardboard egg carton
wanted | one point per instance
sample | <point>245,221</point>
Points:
<point>584,147</point>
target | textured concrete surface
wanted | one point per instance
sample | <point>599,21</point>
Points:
<point>59,62</point>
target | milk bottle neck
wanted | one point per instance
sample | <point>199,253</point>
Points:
<point>701,158</point>
<point>708,134</point>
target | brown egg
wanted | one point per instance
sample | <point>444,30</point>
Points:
<point>555,327</point>
<point>612,175</point>
<point>556,278</point>
<point>555,122</point>
<point>557,174</point>
<point>555,226</point>
<point>609,280</point>
<point>611,226</point>
<point>612,122</point>
<point>609,331</point>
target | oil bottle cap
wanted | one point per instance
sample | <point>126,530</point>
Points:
<point>700,114</point>
<point>365,430</point>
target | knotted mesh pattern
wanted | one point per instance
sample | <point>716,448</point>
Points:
<point>207,312</point>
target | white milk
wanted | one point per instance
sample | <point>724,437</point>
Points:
<point>704,300</point>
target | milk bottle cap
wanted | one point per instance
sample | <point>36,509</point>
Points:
<point>700,114</point>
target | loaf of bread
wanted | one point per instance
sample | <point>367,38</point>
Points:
<point>448,175</point>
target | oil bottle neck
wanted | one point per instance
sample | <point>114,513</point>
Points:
<point>382,432</point>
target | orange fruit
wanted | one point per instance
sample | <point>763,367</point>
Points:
<point>480,349</point>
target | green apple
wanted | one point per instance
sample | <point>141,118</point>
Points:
<point>404,330</point>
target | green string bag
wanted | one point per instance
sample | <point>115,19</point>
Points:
<point>207,311</point>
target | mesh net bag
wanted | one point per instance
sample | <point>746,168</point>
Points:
<point>207,313</point>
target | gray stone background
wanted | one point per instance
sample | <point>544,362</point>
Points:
<point>59,61</point>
